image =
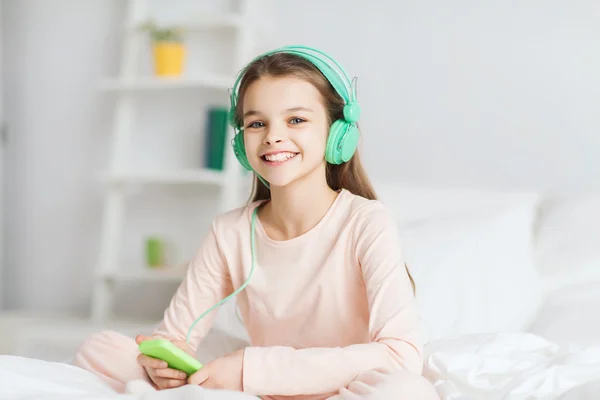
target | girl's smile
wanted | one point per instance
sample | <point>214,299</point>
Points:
<point>276,158</point>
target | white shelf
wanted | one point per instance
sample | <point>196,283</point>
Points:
<point>203,21</point>
<point>207,81</point>
<point>146,274</point>
<point>191,176</point>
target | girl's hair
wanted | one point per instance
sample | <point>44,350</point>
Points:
<point>350,175</point>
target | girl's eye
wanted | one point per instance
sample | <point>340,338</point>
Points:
<point>296,120</point>
<point>256,124</point>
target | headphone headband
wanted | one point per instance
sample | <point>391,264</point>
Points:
<point>338,78</point>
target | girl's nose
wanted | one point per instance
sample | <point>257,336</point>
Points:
<point>272,137</point>
<point>272,140</point>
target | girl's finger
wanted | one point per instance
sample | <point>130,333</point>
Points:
<point>151,362</point>
<point>170,373</point>
<point>198,378</point>
<point>165,383</point>
<point>210,384</point>
<point>141,338</point>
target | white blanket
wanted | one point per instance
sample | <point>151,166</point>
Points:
<point>511,367</point>
<point>477,367</point>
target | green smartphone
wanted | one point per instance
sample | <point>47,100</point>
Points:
<point>173,355</point>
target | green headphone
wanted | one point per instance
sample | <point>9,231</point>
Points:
<point>343,133</point>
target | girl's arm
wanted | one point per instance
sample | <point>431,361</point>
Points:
<point>394,326</point>
<point>206,282</point>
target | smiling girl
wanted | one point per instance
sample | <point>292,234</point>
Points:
<point>329,305</point>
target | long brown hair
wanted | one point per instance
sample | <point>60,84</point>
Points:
<point>350,175</point>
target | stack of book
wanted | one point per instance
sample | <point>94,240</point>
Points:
<point>216,136</point>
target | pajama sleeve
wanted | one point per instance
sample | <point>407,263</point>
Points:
<point>395,342</point>
<point>206,282</point>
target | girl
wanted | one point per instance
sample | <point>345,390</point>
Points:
<point>329,305</point>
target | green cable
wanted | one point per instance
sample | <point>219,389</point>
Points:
<point>263,181</point>
<point>239,289</point>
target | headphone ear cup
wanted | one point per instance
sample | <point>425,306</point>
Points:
<point>341,143</point>
<point>231,117</point>
<point>332,141</point>
<point>239,149</point>
<point>349,143</point>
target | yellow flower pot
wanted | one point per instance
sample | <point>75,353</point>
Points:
<point>169,58</point>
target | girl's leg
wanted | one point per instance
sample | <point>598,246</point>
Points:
<point>111,356</point>
<point>385,385</point>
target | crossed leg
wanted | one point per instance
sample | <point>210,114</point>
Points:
<point>112,357</point>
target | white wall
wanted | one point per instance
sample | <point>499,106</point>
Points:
<point>493,93</point>
<point>55,51</point>
<point>487,93</point>
<point>2,280</point>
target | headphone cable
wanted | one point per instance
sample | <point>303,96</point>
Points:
<point>253,250</point>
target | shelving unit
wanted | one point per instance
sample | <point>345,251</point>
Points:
<point>183,176</point>
<point>143,276</point>
<point>150,83</point>
<point>120,176</point>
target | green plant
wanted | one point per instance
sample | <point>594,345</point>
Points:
<point>162,34</point>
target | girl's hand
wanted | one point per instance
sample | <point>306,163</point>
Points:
<point>158,371</point>
<point>222,373</point>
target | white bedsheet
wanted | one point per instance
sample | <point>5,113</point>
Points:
<point>473,367</point>
<point>30,379</point>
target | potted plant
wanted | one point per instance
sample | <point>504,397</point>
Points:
<point>167,48</point>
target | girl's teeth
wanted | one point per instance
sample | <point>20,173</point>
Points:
<point>279,156</point>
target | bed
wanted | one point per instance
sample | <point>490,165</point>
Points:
<point>477,367</point>
<point>509,290</point>
<point>508,286</point>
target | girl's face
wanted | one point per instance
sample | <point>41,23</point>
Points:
<point>285,129</point>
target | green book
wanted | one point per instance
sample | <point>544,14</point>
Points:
<point>216,135</point>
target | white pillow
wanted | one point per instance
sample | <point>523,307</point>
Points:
<point>568,241</point>
<point>475,272</point>
<point>414,203</point>
<point>570,316</point>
